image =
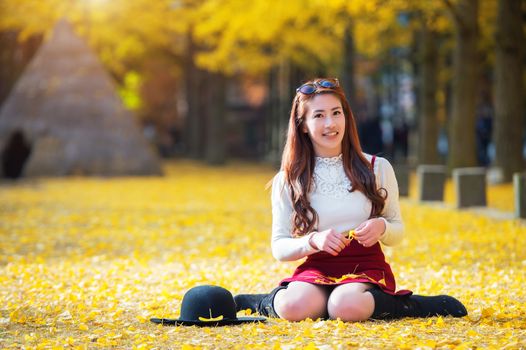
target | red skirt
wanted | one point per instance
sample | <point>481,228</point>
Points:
<point>355,263</point>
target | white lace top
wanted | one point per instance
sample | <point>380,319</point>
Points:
<point>337,208</point>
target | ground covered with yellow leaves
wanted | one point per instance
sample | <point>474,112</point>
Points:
<point>84,263</point>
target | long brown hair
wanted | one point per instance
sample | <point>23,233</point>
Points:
<point>298,162</point>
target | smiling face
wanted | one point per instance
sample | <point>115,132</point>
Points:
<point>325,124</point>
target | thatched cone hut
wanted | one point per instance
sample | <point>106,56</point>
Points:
<point>64,114</point>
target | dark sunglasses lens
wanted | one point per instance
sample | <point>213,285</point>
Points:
<point>327,84</point>
<point>307,89</point>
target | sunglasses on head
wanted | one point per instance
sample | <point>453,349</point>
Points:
<point>310,88</point>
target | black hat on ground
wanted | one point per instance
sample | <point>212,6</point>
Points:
<point>207,306</point>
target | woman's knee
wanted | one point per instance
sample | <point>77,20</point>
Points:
<point>300,303</point>
<point>350,306</point>
<point>293,310</point>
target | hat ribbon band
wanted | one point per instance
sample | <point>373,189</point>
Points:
<point>212,319</point>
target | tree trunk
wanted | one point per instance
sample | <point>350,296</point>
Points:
<point>193,137</point>
<point>215,143</point>
<point>284,103</point>
<point>271,149</point>
<point>428,120</point>
<point>283,81</point>
<point>348,64</point>
<point>462,145</point>
<point>281,100</point>
<point>509,89</point>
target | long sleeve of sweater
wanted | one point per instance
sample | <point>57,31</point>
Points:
<point>337,208</point>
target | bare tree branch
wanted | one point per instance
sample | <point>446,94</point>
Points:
<point>453,10</point>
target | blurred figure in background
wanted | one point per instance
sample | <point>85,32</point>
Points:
<point>14,155</point>
<point>484,129</point>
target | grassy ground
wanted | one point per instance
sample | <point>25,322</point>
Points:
<point>84,263</point>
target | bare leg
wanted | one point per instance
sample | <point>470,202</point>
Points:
<point>351,302</point>
<point>301,300</point>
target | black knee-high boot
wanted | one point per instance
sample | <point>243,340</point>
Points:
<point>260,303</point>
<point>388,306</point>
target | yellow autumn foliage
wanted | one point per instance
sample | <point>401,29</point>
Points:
<point>85,262</point>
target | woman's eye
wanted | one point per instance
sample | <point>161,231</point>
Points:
<point>337,112</point>
<point>319,115</point>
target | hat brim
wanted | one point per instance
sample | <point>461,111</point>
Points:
<point>226,322</point>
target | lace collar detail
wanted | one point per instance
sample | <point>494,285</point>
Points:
<point>330,178</point>
<point>330,160</point>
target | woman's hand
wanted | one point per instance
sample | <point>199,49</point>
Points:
<point>369,232</point>
<point>329,241</point>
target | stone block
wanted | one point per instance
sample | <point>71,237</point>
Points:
<point>519,189</point>
<point>403,172</point>
<point>431,179</point>
<point>470,187</point>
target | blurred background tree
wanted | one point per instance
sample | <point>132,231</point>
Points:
<point>214,79</point>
